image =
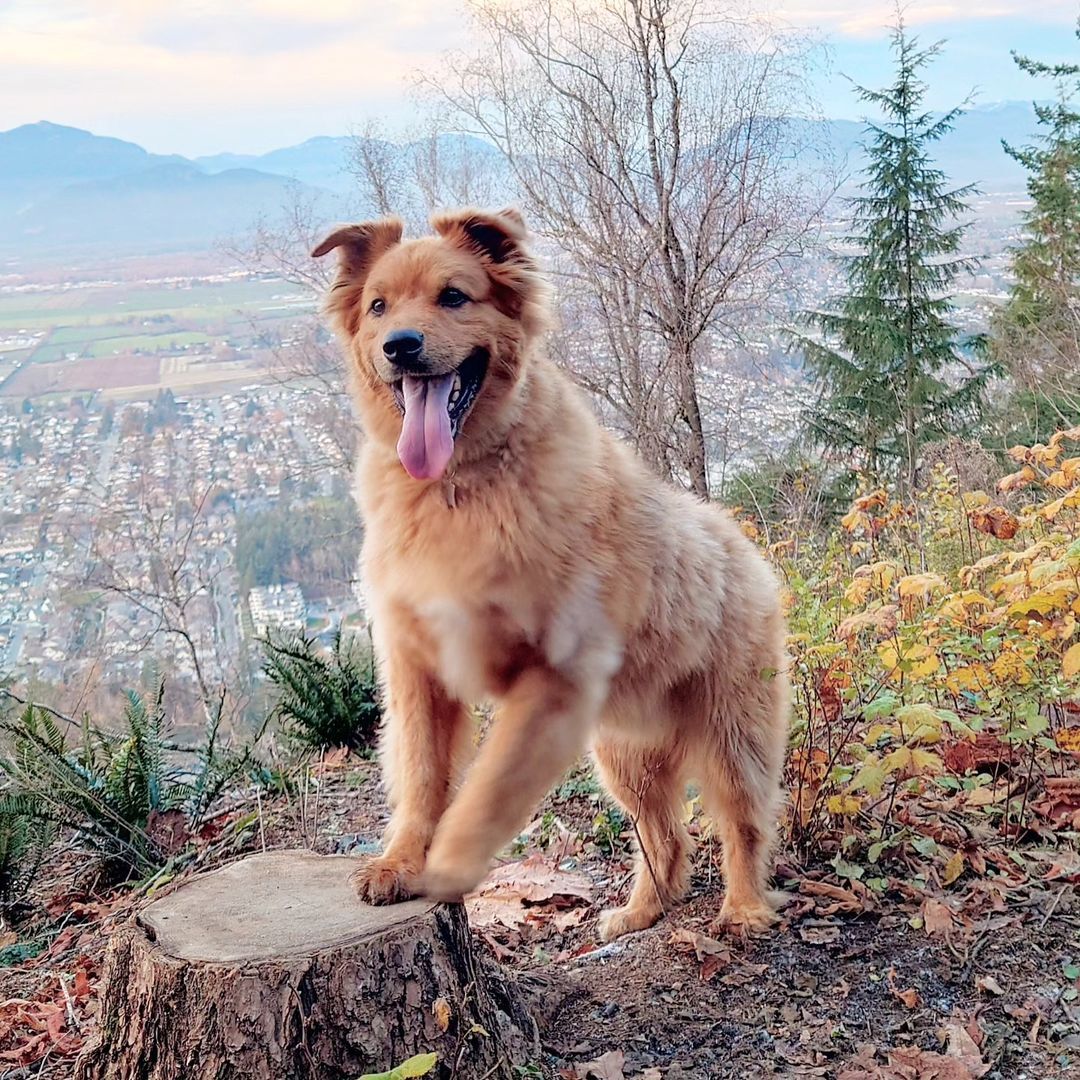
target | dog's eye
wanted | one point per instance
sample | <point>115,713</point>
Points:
<point>451,297</point>
<point>378,307</point>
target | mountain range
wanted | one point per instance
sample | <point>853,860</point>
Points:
<point>65,189</point>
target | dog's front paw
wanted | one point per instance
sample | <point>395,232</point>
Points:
<point>382,880</point>
<point>450,880</point>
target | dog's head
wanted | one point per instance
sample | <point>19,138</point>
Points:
<point>438,328</point>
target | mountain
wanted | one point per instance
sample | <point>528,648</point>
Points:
<point>54,154</point>
<point>320,161</point>
<point>164,208</point>
<point>324,160</point>
<point>970,154</point>
<point>62,188</point>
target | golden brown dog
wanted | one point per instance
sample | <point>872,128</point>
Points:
<point>515,551</point>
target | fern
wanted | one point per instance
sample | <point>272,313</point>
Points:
<point>25,837</point>
<point>326,699</point>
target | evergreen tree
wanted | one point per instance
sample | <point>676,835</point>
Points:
<point>1036,335</point>
<point>893,372</point>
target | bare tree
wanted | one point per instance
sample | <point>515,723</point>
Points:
<point>651,142</point>
<point>429,170</point>
<point>167,582</point>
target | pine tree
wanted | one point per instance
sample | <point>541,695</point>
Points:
<point>891,368</point>
<point>1036,335</point>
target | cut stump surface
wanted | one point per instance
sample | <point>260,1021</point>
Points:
<point>272,969</point>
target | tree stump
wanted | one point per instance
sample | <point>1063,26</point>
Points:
<point>272,969</point>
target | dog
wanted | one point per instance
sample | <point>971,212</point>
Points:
<point>516,552</point>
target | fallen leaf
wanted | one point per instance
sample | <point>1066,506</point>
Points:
<point>963,1048</point>
<point>814,934</point>
<point>1060,801</point>
<point>712,964</point>
<point>953,868</point>
<point>683,940</point>
<point>608,1066</point>
<point>844,899</point>
<point>989,984</point>
<point>514,887</point>
<point>937,917</point>
<point>168,830</point>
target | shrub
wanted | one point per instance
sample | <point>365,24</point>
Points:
<point>936,648</point>
<point>124,794</point>
<point>327,698</point>
<point>25,838</point>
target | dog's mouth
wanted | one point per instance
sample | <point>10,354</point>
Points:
<point>433,409</point>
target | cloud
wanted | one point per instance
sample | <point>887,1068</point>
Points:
<point>97,62</point>
<point>251,74</point>
<point>866,19</point>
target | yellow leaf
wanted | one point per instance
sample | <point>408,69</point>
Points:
<point>870,778</point>
<point>1070,664</point>
<point>925,761</point>
<point>974,677</point>
<point>953,868</point>
<point>858,591</point>
<point>916,660</point>
<point>1069,739</point>
<point>921,585</point>
<point>1046,455</point>
<point>1011,667</point>
<point>898,761</point>
<point>843,805</point>
<point>1017,479</point>
<point>1043,602</point>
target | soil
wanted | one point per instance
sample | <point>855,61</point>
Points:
<point>829,993</point>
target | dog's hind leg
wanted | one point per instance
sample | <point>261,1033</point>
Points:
<point>647,783</point>
<point>742,761</point>
<point>426,737</point>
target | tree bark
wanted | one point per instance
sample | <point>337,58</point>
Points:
<point>271,968</point>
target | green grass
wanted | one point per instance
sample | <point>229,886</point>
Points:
<point>104,307</point>
<point>107,346</point>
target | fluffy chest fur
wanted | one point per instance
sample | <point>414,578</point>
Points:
<point>491,585</point>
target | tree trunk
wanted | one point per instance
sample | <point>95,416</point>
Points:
<point>272,969</point>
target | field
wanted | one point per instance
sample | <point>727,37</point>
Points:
<point>79,332</point>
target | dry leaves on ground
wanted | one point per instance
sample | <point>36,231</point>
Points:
<point>530,889</point>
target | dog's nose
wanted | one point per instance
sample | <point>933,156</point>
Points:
<point>403,347</point>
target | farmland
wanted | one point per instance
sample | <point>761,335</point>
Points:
<point>114,334</point>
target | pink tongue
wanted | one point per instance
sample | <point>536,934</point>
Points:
<point>426,444</point>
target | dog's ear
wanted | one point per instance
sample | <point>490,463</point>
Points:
<point>358,247</point>
<point>499,238</point>
<point>497,235</point>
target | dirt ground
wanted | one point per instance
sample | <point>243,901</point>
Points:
<point>902,985</point>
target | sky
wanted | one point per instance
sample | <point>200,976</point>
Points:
<point>247,76</point>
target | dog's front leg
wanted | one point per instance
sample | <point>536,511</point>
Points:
<point>426,737</point>
<point>540,729</point>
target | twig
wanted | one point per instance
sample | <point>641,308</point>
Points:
<point>1053,905</point>
<point>70,1004</point>
<point>39,705</point>
<point>262,829</point>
